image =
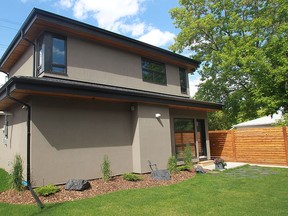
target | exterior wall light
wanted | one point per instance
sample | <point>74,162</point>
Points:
<point>157,115</point>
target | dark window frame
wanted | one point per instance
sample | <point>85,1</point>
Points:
<point>182,73</point>
<point>154,72</point>
<point>45,42</point>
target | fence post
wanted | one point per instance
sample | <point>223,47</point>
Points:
<point>284,129</point>
<point>233,145</point>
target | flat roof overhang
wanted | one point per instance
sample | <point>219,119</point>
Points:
<point>23,87</point>
<point>39,21</point>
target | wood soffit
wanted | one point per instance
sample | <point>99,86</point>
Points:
<point>25,87</point>
<point>40,21</point>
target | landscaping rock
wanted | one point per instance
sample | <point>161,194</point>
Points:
<point>161,175</point>
<point>199,169</point>
<point>77,184</point>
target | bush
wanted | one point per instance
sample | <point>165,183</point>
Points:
<point>132,177</point>
<point>105,168</point>
<point>172,165</point>
<point>47,190</point>
<point>16,174</point>
<point>184,168</point>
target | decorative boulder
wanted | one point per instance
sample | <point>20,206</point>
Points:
<point>199,169</point>
<point>160,175</point>
<point>77,184</point>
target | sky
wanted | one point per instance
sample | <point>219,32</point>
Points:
<point>146,20</point>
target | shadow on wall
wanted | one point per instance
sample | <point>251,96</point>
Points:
<point>66,124</point>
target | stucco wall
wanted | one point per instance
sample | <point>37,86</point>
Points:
<point>154,142</point>
<point>70,139</point>
<point>24,66</point>
<point>92,62</point>
<point>16,143</point>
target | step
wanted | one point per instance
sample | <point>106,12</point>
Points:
<point>206,163</point>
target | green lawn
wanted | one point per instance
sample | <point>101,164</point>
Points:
<point>243,191</point>
<point>4,178</point>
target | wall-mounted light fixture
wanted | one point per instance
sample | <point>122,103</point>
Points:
<point>5,126</point>
<point>157,115</point>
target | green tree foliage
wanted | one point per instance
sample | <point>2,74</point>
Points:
<point>243,47</point>
<point>284,121</point>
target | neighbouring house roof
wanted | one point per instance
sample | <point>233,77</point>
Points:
<point>23,87</point>
<point>39,21</point>
<point>260,122</point>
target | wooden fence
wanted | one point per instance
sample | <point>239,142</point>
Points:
<point>252,145</point>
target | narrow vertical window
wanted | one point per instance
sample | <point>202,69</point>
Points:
<point>58,55</point>
<point>183,80</point>
<point>40,60</point>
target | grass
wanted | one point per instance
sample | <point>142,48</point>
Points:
<point>4,180</point>
<point>242,191</point>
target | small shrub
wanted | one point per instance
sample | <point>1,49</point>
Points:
<point>184,168</point>
<point>105,168</point>
<point>16,174</point>
<point>172,165</point>
<point>47,190</point>
<point>188,157</point>
<point>132,177</point>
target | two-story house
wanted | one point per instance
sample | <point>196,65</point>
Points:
<point>77,92</point>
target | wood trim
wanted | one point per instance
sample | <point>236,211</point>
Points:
<point>285,142</point>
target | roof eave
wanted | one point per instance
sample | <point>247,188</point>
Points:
<point>42,86</point>
<point>80,26</point>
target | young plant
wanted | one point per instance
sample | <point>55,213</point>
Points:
<point>105,168</point>
<point>16,174</point>
<point>132,177</point>
<point>47,190</point>
<point>188,156</point>
<point>184,168</point>
<point>172,165</point>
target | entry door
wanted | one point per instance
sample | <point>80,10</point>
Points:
<point>201,138</point>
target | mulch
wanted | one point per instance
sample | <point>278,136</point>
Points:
<point>98,187</point>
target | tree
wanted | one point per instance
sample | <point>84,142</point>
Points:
<point>243,47</point>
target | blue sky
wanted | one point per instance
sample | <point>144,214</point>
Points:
<point>145,20</point>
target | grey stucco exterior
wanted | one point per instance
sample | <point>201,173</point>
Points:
<point>100,106</point>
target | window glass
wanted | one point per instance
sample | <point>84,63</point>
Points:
<point>58,51</point>
<point>184,134</point>
<point>183,80</point>
<point>58,69</point>
<point>153,72</point>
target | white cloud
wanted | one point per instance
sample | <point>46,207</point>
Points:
<point>121,16</point>
<point>66,3</point>
<point>107,13</point>
<point>136,29</point>
<point>157,37</point>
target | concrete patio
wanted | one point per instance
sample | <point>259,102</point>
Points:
<point>231,165</point>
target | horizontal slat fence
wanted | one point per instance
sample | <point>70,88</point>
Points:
<point>251,145</point>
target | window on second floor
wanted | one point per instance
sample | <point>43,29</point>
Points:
<point>183,81</point>
<point>153,72</point>
<point>51,54</point>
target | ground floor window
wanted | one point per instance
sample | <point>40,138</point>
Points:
<point>184,135</point>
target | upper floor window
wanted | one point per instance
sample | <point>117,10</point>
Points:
<point>51,54</point>
<point>153,72</point>
<point>183,80</point>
